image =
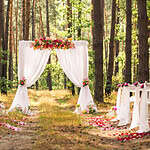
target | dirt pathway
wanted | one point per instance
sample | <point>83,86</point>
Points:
<point>21,140</point>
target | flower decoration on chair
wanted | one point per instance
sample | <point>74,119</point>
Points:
<point>136,83</point>
<point>47,43</point>
<point>22,82</point>
<point>122,85</point>
<point>142,85</point>
<point>85,82</point>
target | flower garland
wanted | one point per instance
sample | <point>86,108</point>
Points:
<point>47,43</point>
<point>135,84</point>
<point>122,85</point>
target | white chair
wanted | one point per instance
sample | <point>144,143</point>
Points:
<point>124,114</point>
<point>144,101</point>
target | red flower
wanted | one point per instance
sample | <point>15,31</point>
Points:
<point>142,86</point>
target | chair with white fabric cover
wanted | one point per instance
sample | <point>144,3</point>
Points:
<point>147,88</point>
<point>123,104</point>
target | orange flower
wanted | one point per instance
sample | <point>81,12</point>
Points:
<point>69,39</point>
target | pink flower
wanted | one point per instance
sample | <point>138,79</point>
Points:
<point>115,108</point>
<point>136,83</point>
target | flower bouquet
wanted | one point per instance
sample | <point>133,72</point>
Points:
<point>85,82</point>
<point>91,108</point>
<point>22,81</point>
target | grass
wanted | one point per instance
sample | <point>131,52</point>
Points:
<point>60,128</point>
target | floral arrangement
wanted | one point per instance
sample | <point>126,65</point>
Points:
<point>22,81</point>
<point>85,82</point>
<point>91,108</point>
<point>48,43</point>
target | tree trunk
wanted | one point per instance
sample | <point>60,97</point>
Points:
<point>5,50</point>
<point>49,79</point>
<point>33,33</point>
<point>111,50</point>
<point>16,48</point>
<point>24,19</point>
<point>41,21</point>
<point>79,27</point>
<point>143,69</point>
<point>27,11</point>
<point>69,19</point>
<point>1,31</point>
<point>79,19</point>
<point>106,42</point>
<point>98,33</point>
<point>117,41</point>
<point>117,53</point>
<point>10,77</point>
<point>128,47</point>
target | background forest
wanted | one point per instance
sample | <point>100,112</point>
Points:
<point>117,32</point>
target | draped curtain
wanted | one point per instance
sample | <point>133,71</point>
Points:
<point>32,63</point>
<point>30,66</point>
<point>75,65</point>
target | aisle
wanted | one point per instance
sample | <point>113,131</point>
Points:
<point>55,127</point>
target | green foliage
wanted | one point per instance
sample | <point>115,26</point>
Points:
<point>6,82</point>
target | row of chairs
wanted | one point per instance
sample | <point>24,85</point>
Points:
<point>140,96</point>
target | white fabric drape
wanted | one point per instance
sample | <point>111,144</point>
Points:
<point>32,63</point>
<point>75,65</point>
<point>135,114</point>
<point>30,66</point>
<point>143,112</point>
<point>118,103</point>
<point>140,111</point>
<point>124,112</point>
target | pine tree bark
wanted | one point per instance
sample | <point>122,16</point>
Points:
<point>128,51</point>
<point>106,42</point>
<point>33,33</point>
<point>10,77</point>
<point>98,33</point>
<point>79,27</point>
<point>49,79</point>
<point>16,48</point>
<point>27,19</point>
<point>5,50</point>
<point>69,19</point>
<point>1,31</point>
<point>117,42</point>
<point>143,68</point>
<point>111,50</point>
<point>24,19</point>
<point>79,19</point>
<point>41,21</point>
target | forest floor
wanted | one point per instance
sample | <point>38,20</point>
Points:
<point>53,126</point>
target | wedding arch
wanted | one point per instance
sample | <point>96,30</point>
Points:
<point>74,62</point>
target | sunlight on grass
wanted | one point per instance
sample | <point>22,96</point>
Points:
<point>51,114</point>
